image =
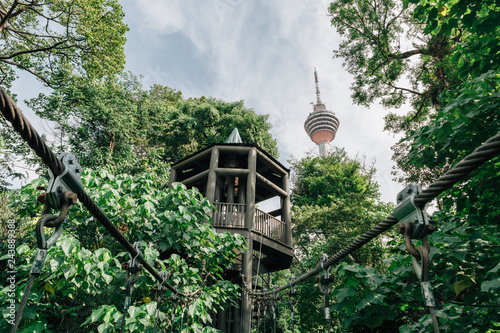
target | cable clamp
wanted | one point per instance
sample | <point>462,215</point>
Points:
<point>137,260</point>
<point>408,211</point>
<point>68,180</point>
<point>427,294</point>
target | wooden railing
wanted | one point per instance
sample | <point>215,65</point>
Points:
<point>229,215</point>
<point>269,226</point>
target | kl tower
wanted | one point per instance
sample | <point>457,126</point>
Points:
<point>321,124</point>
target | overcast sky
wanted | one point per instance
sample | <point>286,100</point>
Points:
<point>262,52</point>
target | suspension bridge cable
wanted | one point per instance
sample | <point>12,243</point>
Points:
<point>14,115</point>
<point>480,155</point>
<point>471,162</point>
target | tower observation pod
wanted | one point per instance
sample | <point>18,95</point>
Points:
<point>321,125</point>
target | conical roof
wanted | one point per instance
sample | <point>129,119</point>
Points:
<point>234,137</point>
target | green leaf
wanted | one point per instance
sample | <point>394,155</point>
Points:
<point>105,328</point>
<point>98,313</point>
<point>462,285</point>
<point>67,245</point>
<point>344,292</point>
<point>49,288</point>
<point>489,286</point>
<point>494,270</point>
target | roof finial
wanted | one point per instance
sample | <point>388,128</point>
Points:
<point>318,101</point>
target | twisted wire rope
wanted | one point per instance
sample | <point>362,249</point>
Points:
<point>471,162</point>
<point>479,156</point>
<point>14,115</point>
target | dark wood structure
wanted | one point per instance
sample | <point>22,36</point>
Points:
<point>235,177</point>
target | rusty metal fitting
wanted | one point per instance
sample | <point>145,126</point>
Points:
<point>72,198</point>
<point>400,228</point>
<point>41,197</point>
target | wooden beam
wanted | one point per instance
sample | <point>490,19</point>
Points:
<point>272,186</point>
<point>231,149</point>
<point>195,178</point>
<point>232,171</point>
<point>184,163</point>
<point>271,162</point>
<point>276,212</point>
<point>212,175</point>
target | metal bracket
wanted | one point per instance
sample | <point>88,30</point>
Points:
<point>159,295</point>
<point>427,294</point>
<point>39,261</point>
<point>274,302</point>
<point>134,269</point>
<point>40,236</point>
<point>135,261</point>
<point>68,180</point>
<point>408,211</point>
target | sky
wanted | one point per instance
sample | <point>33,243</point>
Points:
<point>262,52</point>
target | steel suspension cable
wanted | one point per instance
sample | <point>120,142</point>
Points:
<point>14,115</point>
<point>471,162</point>
<point>479,156</point>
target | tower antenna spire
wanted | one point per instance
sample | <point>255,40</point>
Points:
<point>318,97</point>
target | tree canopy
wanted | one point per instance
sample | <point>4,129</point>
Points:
<point>48,37</point>
<point>453,93</point>
<point>335,199</point>
<point>415,52</point>
<point>117,124</point>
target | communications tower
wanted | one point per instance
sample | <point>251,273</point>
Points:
<point>321,125</point>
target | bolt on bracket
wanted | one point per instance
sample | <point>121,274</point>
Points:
<point>68,180</point>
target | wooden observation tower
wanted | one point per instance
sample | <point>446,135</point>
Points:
<point>235,177</point>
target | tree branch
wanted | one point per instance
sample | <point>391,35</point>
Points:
<point>23,33</point>
<point>35,50</point>
<point>408,90</point>
<point>3,22</point>
<point>409,54</point>
<point>28,70</point>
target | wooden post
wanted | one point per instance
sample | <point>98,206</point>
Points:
<point>173,177</point>
<point>222,321</point>
<point>285,210</point>
<point>212,175</point>
<point>246,307</point>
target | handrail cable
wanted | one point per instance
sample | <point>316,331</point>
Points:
<point>14,115</point>
<point>479,156</point>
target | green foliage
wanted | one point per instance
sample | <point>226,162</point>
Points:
<point>335,200</point>
<point>116,124</point>
<point>83,285</point>
<point>460,52</point>
<point>199,122</point>
<point>376,35</point>
<point>453,42</point>
<point>47,38</point>
<point>469,118</point>
<point>475,24</point>
<point>332,190</point>
<point>52,40</point>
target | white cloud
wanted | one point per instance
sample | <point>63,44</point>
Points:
<point>264,52</point>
